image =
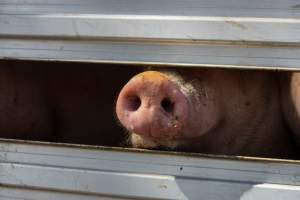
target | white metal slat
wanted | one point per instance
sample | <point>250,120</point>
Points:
<point>220,190</point>
<point>91,182</point>
<point>153,54</point>
<point>127,174</point>
<point>138,186</point>
<point>151,27</point>
<point>128,162</point>
<point>236,8</point>
<point>17,193</point>
<point>258,191</point>
<point>132,32</point>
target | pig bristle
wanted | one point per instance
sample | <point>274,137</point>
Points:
<point>186,88</point>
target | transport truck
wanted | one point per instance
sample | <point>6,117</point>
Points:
<point>257,34</point>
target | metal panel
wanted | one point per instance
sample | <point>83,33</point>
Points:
<point>153,53</point>
<point>245,34</point>
<point>19,193</point>
<point>54,171</point>
<point>237,8</point>
<point>151,27</point>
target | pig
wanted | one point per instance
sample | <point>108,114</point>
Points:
<point>215,111</point>
<point>24,110</point>
<point>290,98</point>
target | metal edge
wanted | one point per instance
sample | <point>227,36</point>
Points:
<point>190,41</point>
<point>155,64</point>
<point>152,152</point>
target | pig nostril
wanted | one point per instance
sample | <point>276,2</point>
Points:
<point>167,105</point>
<point>133,103</point>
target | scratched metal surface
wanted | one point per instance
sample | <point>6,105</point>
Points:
<point>33,170</point>
<point>234,33</point>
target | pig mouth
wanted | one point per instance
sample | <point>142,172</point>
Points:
<point>154,143</point>
<point>196,143</point>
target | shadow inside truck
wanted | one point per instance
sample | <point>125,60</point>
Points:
<point>61,102</point>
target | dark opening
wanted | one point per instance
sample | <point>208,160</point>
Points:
<point>133,103</point>
<point>63,102</point>
<point>167,105</point>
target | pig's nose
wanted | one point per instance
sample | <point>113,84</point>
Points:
<point>151,104</point>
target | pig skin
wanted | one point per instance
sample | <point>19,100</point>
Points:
<point>290,98</point>
<point>241,110</point>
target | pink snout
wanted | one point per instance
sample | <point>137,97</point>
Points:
<point>152,105</point>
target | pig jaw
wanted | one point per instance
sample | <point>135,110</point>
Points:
<point>191,116</point>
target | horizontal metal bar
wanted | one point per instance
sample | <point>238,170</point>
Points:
<point>233,8</point>
<point>151,27</point>
<point>73,171</point>
<point>19,193</point>
<point>80,182</point>
<point>166,32</point>
<point>167,19</point>
<point>149,53</point>
<point>91,182</point>
<point>151,163</point>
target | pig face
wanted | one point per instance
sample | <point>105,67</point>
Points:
<point>202,110</point>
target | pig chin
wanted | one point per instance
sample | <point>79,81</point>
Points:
<point>139,141</point>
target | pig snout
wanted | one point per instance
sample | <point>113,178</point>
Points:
<point>152,105</point>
